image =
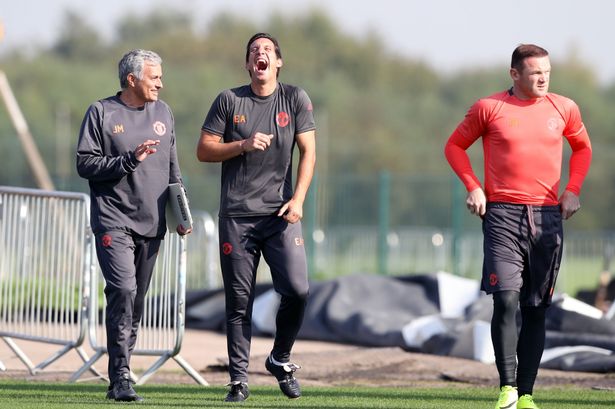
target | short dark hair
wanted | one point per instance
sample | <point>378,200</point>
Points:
<point>268,36</point>
<point>524,51</point>
<point>132,63</point>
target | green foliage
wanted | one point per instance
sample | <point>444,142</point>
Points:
<point>77,40</point>
<point>375,110</point>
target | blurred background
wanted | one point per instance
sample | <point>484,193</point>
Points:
<point>389,81</point>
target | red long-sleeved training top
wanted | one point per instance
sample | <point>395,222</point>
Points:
<point>522,145</point>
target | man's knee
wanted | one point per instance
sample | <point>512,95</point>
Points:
<point>533,314</point>
<point>296,297</point>
<point>120,292</point>
<point>505,301</point>
<point>298,291</point>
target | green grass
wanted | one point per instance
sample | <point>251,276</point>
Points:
<point>44,395</point>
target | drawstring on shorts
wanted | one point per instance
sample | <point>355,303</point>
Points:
<point>530,220</point>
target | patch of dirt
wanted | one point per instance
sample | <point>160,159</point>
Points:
<point>394,367</point>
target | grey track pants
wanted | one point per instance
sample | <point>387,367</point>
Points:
<point>127,262</point>
<point>242,241</point>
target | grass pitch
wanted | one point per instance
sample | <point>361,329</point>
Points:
<point>44,395</point>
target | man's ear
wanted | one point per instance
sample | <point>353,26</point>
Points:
<point>514,74</point>
<point>132,79</point>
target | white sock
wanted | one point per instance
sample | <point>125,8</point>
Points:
<point>275,362</point>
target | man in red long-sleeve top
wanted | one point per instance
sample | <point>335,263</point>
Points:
<point>522,130</point>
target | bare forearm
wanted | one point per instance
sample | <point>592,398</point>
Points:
<point>305,172</point>
<point>211,151</point>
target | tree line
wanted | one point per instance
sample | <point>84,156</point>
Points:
<point>375,110</point>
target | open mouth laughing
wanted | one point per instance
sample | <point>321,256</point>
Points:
<point>262,64</point>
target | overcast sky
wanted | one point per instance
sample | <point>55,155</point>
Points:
<point>448,34</point>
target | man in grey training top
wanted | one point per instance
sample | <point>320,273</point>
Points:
<point>253,130</point>
<point>126,150</point>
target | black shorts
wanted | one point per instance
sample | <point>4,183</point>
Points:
<point>522,251</point>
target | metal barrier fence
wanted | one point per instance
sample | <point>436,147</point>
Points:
<point>407,250</point>
<point>51,288</point>
<point>203,265</point>
<point>412,250</point>
<point>343,250</point>
<point>44,252</point>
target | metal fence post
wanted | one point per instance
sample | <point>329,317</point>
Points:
<point>456,222</point>
<point>384,205</point>
<point>310,226</point>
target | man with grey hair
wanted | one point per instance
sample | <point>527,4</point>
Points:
<point>127,152</point>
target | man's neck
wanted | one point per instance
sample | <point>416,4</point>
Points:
<point>522,96</point>
<point>263,89</point>
<point>131,100</point>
